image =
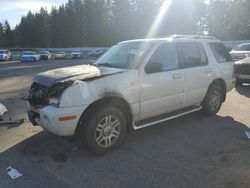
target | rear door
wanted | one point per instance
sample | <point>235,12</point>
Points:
<point>197,71</point>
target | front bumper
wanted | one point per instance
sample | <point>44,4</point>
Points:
<point>48,118</point>
<point>26,59</point>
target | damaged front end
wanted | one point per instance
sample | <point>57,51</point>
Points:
<point>40,95</point>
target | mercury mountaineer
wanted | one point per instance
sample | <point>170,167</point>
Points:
<point>135,84</point>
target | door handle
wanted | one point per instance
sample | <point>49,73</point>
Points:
<point>177,76</point>
<point>208,70</point>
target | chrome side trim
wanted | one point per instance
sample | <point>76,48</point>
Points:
<point>165,119</point>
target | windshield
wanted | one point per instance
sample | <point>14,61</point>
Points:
<point>2,52</point>
<point>125,55</point>
<point>243,47</point>
<point>28,53</point>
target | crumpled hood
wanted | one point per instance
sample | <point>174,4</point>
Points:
<point>80,72</point>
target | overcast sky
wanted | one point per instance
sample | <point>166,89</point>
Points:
<point>13,10</point>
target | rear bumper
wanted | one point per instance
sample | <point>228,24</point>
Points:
<point>48,118</point>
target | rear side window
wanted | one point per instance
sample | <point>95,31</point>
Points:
<point>220,52</point>
<point>192,54</point>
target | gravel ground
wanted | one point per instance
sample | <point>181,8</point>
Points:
<point>191,151</point>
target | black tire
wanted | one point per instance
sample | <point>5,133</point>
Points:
<point>213,100</point>
<point>92,133</point>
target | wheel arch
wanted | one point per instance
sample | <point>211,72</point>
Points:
<point>222,84</point>
<point>112,100</point>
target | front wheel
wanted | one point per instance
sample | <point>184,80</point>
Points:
<point>213,100</point>
<point>105,130</point>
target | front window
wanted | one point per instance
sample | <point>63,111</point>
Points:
<point>2,52</point>
<point>125,55</point>
<point>165,58</point>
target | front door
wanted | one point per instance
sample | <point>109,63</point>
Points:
<point>161,82</point>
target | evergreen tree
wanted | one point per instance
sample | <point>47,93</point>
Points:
<point>7,36</point>
<point>105,22</point>
<point>1,34</point>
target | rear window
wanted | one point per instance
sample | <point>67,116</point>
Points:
<point>220,52</point>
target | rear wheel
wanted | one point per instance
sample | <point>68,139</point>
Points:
<point>213,100</point>
<point>105,130</point>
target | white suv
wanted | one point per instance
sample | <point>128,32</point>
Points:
<point>135,84</point>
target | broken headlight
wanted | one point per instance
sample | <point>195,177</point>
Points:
<point>56,91</point>
<point>54,101</point>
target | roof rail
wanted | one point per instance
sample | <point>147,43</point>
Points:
<point>193,37</point>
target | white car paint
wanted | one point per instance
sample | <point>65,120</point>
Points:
<point>147,95</point>
<point>3,110</point>
<point>6,55</point>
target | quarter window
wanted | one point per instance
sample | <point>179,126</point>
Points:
<point>165,58</point>
<point>220,52</point>
<point>192,54</point>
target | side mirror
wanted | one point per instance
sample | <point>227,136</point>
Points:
<point>153,67</point>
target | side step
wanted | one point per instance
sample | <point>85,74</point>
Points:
<point>165,117</point>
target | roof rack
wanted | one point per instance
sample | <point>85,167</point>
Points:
<point>193,37</point>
